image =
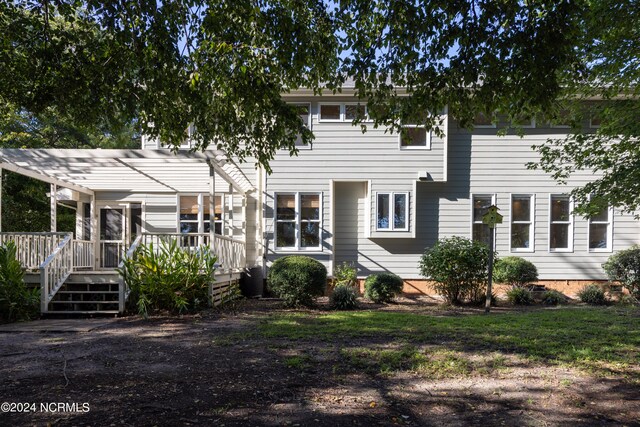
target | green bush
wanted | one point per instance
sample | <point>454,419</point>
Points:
<point>382,287</point>
<point>519,296</point>
<point>624,267</point>
<point>592,294</point>
<point>345,274</point>
<point>344,297</point>
<point>297,280</point>
<point>553,297</point>
<point>17,301</point>
<point>458,266</point>
<point>515,271</point>
<point>168,277</point>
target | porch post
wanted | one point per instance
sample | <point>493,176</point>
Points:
<point>1,170</point>
<point>54,208</point>
<point>212,207</point>
<point>94,233</point>
<point>80,221</point>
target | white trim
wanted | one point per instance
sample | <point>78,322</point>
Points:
<point>427,145</point>
<point>365,119</point>
<point>609,224</point>
<point>531,222</point>
<point>494,198</point>
<point>341,107</point>
<point>392,208</point>
<point>591,125</point>
<point>297,221</point>
<point>570,223</point>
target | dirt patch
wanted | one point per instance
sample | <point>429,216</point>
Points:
<point>214,369</point>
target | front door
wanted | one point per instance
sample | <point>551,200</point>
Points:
<point>112,236</point>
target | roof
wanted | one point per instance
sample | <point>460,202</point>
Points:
<point>145,171</point>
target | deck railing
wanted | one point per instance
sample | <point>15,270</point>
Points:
<point>83,256</point>
<point>33,248</point>
<point>123,287</point>
<point>55,270</point>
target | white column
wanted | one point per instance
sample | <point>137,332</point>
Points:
<point>79,221</point>
<point>212,206</point>
<point>54,208</point>
<point>1,199</point>
<point>95,237</point>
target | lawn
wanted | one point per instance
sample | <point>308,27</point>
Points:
<point>401,364</point>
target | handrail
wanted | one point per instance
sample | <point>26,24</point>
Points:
<point>83,256</point>
<point>55,269</point>
<point>33,248</point>
<point>123,286</point>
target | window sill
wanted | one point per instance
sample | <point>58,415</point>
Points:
<point>298,251</point>
<point>561,251</point>
<point>602,251</point>
<point>425,148</point>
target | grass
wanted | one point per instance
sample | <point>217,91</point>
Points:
<point>600,339</point>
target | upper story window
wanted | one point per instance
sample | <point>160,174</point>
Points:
<point>480,231</point>
<point>392,211</point>
<point>414,137</point>
<point>600,231</point>
<point>522,232</point>
<point>524,122</point>
<point>194,214</point>
<point>595,121</point>
<point>298,221</point>
<point>304,111</point>
<point>560,223</point>
<point>355,111</point>
<point>330,112</point>
<point>482,120</point>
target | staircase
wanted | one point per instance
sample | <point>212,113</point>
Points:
<point>86,293</point>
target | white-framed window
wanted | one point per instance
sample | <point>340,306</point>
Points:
<point>354,110</point>
<point>479,231</point>
<point>194,214</point>
<point>304,110</point>
<point>524,122</point>
<point>298,221</point>
<point>601,231</point>
<point>563,121</point>
<point>484,121</point>
<point>392,211</point>
<point>414,137</point>
<point>595,121</point>
<point>330,112</point>
<point>560,223</point>
<point>522,223</point>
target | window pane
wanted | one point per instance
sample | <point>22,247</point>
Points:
<point>521,209</point>
<point>383,211</point>
<point>111,222</point>
<point>354,111</point>
<point>481,233</point>
<point>602,216</point>
<point>217,228</point>
<point>310,206</point>
<point>520,236</point>
<point>482,119</point>
<point>188,205</point>
<point>598,236</point>
<point>414,137</point>
<point>304,112</point>
<point>188,227</point>
<point>286,206</point>
<point>330,112</point>
<point>188,217</point>
<point>480,205</point>
<point>559,238</point>
<point>400,211</point>
<point>218,206</point>
<point>286,234</point>
<point>310,234</point>
<point>560,208</point>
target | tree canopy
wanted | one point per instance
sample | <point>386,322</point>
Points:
<point>224,67</point>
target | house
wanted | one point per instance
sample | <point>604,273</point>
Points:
<point>374,199</point>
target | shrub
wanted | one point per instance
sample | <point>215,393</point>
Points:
<point>344,297</point>
<point>297,280</point>
<point>592,294</point>
<point>624,267</point>
<point>345,274</point>
<point>17,301</point>
<point>519,296</point>
<point>515,271</point>
<point>627,300</point>
<point>553,297</point>
<point>458,266</point>
<point>382,287</point>
<point>168,277</point>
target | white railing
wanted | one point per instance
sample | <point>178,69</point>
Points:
<point>83,256</point>
<point>55,270</point>
<point>111,253</point>
<point>33,248</point>
<point>123,287</point>
<point>184,240</point>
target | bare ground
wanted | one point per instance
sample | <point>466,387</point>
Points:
<point>212,369</point>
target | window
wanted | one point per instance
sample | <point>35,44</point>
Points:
<point>483,120</point>
<point>595,121</point>
<point>194,214</point>
<point>479,230</point>
<point>522,233</point>
<point>600,231</point>
<point>414,137</point>
<point>304,110</point>
<point>392,211</point>
<point>297,217</point>
<point>355,111</point>
<point>331,112</point>
<point>562,121</point>
<point>524,122</point>
<point>560,223</point>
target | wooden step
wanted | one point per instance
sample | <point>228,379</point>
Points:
<point>85,292</point>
